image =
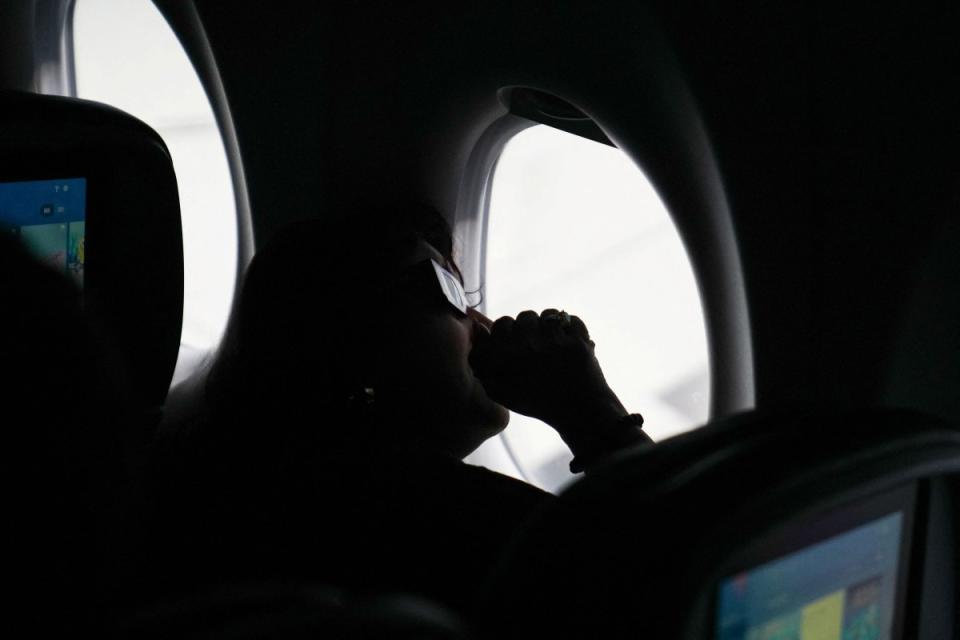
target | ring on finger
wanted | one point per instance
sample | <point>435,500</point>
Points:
<point>562,318</point>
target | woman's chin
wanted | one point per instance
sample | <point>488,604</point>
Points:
<point>490,418</point>
<point>502,417</point>
<point>486,424</point>
<point>493,416</point>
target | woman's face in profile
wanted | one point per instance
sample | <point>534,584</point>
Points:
<point>424,379</point>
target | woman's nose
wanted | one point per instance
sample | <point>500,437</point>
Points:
<point>480,319</point>
<point>481,326</point>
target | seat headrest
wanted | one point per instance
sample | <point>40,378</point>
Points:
<point>132,256</point>
<point>791,503</point>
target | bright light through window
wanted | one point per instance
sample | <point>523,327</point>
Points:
<point>127,56</point>
<point>575,225</point>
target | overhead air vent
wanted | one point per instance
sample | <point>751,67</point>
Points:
<point>550,110</point>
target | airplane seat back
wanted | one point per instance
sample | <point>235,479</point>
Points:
<point>66,487</point>
<point>754,525</point>
<point>91,195</point>
<point>101,182</point>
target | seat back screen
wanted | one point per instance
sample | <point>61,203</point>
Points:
<point>49,217</point>
<point>843,588</point>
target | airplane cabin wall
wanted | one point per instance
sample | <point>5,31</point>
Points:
<point>17,32</point>
<point>834,134</point>
<point>837,134</point>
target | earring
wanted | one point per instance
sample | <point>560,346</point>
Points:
<point>361,403</point>
<point>364,397</point>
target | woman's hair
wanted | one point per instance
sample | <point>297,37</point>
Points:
<point>305,311</point>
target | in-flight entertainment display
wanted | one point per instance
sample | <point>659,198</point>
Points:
<point>843,588</point>
<point>49,217</point>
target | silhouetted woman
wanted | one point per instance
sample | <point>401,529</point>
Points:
<point>352,382</point>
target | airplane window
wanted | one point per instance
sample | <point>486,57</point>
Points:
<point>575,225</point>
<point>126,55</point>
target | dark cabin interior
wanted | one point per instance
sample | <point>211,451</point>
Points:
<point>808,156</point>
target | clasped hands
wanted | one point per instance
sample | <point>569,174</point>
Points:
<point>544,366</point>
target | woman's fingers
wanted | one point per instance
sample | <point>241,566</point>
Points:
<point>533,330</point>
<point>552,325</point>
<point>530,329</point>
<point>501,333</point>
<point>526,329</point>
<point>579,328</point>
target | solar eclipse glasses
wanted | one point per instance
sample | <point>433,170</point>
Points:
<point>423,280</point>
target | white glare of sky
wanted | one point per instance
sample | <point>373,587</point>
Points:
<point>575,225</point>
<point>127,56</point>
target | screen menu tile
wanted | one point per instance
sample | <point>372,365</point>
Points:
<point>49,217</point>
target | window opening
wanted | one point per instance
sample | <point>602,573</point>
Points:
<point>575,225</point>
<point>126,55</point>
